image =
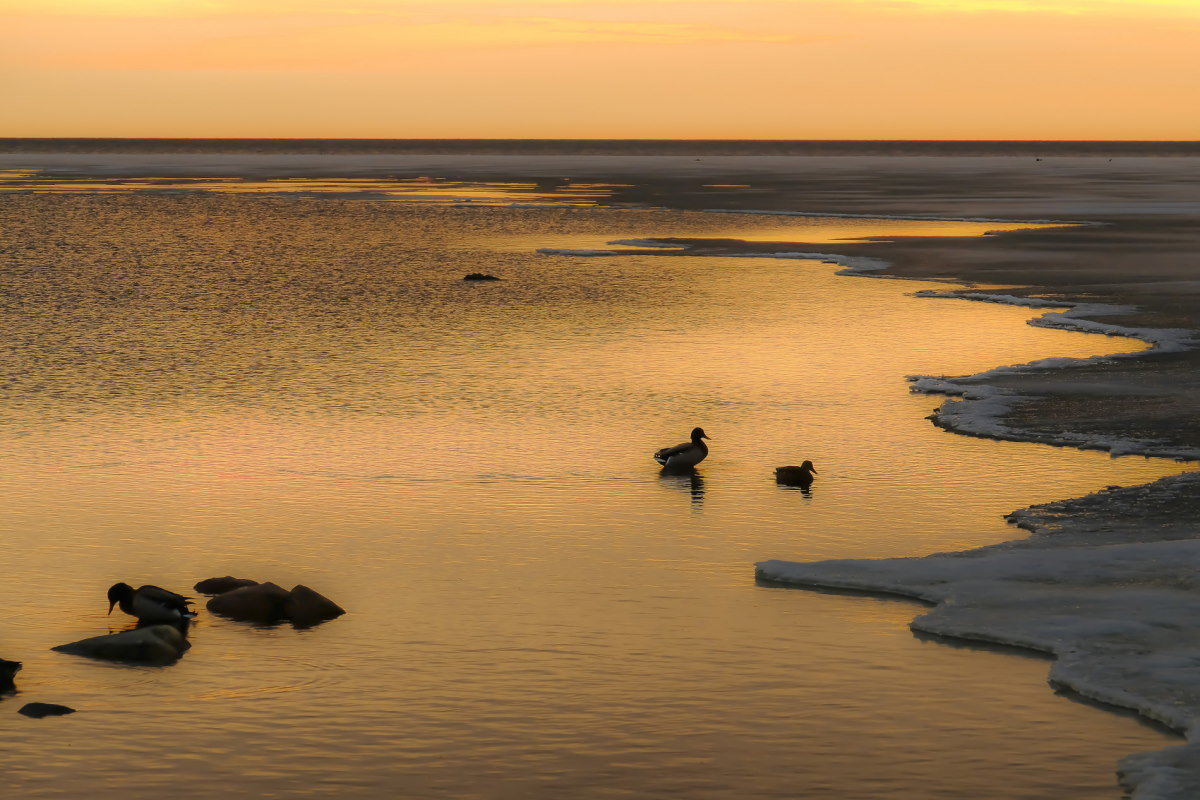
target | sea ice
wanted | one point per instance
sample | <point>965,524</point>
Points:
<point>980,409</point>
<point>1103,584</point>
<point>1118,617</point>
<point>1112,600</point>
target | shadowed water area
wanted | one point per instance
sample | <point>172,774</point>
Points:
<point>303,390</point>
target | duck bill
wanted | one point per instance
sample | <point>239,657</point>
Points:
<point>111,605</point>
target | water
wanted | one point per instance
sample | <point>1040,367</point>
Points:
<point>302,389</point>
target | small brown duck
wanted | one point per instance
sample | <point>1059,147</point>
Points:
<point>796,476</point>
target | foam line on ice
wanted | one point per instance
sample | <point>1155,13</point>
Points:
<point>980,409</point>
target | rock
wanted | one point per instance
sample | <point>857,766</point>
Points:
<point>262,603</point>
<point>305,607</point>
<point>222,585</point>
<point>154,644</point>
<point>8,670</point>
<point>479,276</point>
<point>39,710</point>
<point>267,603</point>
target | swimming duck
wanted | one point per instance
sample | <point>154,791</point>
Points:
<point>686,455</point>
<point>149,603</point>
<point>796,476</point>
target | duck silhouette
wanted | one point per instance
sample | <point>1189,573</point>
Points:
<point>796,476</point>
<point>149,603</point>
<point>686,455</point>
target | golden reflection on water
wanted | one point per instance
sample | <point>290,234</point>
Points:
<point>406,189</point>
<point>304,390</point>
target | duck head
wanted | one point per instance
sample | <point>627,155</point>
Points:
<point>119,593</point>
<point>808,465</point>
<point>698,434</point>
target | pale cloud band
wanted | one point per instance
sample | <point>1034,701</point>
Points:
<point>533,8</point>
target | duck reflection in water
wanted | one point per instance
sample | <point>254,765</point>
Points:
<point>690,481</point>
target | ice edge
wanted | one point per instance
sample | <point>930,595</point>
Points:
<point>1125,648</point>
<point>979,409</point>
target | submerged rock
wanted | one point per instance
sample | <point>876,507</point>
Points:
<point>222,585</point>
<point>479,276</point>
<point>262,603</point>
<point>39,710</point>
<point>8,670</point>
<point>154,644</point>
<point>305,607</point>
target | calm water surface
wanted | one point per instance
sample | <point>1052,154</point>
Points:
<point>303,390</point>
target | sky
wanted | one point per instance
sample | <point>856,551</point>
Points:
<point>595,69</point>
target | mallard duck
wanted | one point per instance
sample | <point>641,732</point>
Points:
<point>796,476</point>
<point>683,456</point>
<point>149,603</point>
<point>8,670</point>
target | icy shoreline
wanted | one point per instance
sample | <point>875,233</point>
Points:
<point>1113,608</point>
<point>1105,593</point>
<point>979,409</point>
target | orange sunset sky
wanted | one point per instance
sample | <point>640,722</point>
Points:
<point>756,69</point>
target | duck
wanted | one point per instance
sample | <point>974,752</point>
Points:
<point>149,603</point>
<point>8,670</point>
<point>686,455</point>
<point>796,476</point>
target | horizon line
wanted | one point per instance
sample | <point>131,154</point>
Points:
<point>574,139</point>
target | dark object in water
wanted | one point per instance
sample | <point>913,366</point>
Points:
<point>39,710</point>
<point>212,586</point>
<point>153,644</point>
<point>149,603</point>
<point>267,603</point>
<point>261,603</point>
<point>306,608</point>
<point>479,276</point>
<point>684,456</point>
<point>796,476</point>
<point>8,670</point>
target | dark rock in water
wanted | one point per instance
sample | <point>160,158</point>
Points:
<point>479,276</point>
<point>8,670</point>
<point>262,603</point>
<point>266,603</point>
<point>39,710</point>
<point>305,608</point>
<point>154,644</point>
<point>222,585</point>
